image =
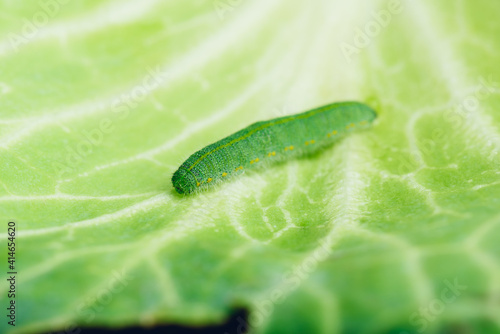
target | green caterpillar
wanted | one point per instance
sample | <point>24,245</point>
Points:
<point>269,141</point>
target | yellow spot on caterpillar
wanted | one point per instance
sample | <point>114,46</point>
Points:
<point>209,179</point>
<point>350,125</point>
<point>291,147</point>
<point>312,141</point>
<point>238,168</point>
<point>198,184</point>
<point>253,161</point>
<point>271,154</point>
<point>274,153</point>
<point>307,143</point>
<point>334,132</point>
<point>257,160</point>
<point>329,135</point>
<point>224,174</point>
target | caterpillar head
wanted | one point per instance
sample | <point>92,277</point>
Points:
<point>184,181</point>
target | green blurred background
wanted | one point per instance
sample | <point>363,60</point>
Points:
<point>392,230</point>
